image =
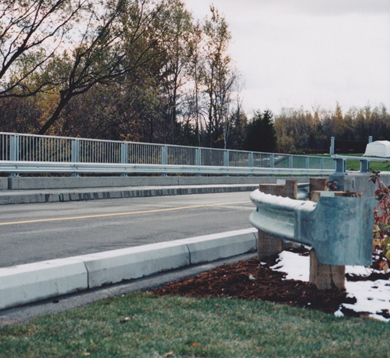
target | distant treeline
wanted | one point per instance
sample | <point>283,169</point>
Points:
<point>299,130</point>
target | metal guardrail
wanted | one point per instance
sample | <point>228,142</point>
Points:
<point>338,228</point>
<point>52,167</point>
<point>35,153</point>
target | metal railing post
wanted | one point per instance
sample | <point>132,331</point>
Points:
<point>290,161</point>
<point>226,157</point>
<point>340,165</point>
<point>198,159</point>
<point>14,147</point>
<point>250,159</point>
<point>14,151</point>
<point>75,154</point>
<point>124,156</point>
<point>272,160</point>
<point>364,165</point>
<point>332,145</point>
<point>164,157</point>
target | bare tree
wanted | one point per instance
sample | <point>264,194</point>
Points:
<point>116,41</point>
<point>30,33</point>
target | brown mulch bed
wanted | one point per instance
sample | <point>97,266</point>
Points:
<point>252,280</point>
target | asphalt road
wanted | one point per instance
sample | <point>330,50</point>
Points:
<point>37,232</point>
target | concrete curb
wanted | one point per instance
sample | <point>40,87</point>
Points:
<point>109,182</point>
<point>48,196</point>
<point>37,281</point>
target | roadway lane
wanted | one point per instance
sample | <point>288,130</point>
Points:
<point>36,232</point>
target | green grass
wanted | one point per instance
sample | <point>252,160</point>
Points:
<point>381,166</point>
<point>143,325</point>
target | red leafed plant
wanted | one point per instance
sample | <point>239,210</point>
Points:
<point>381,235</point>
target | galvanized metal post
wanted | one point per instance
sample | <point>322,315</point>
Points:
<point>290,161</point>
<point>226,157</point>
<point>75,154</point>
<point>14,151</point>
<point>250,159</point>
<point>14,147</point>
<point>368,162</point>
<point>124,156</point>
<point>364,165</point>
<point>198,159</point>
<point>332,145</point>
<point>340,165</point>
<point>272,161</point>
<point>164,158</point>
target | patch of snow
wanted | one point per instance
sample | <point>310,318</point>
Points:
<point>371,296</point>
<point>296,266</point>
<point>338,313</point>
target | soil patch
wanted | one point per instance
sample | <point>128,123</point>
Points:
<point>252,280</point>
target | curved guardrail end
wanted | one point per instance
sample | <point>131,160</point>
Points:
<point>338,228</point>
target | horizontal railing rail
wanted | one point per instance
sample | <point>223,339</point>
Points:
<point>53,167</point>
<point>338,228</point>
<point>36,153</point>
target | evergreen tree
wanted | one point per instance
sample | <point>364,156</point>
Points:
<point>260,133</point>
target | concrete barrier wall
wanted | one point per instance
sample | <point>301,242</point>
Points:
<point>3,183</point>
<point>37,281</point>
<point>37,183</point>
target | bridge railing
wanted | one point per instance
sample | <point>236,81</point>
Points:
<point>53,153</point>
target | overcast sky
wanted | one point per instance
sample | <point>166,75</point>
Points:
<point>308,53</point>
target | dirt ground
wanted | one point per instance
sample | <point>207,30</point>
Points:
<point>252,280</point>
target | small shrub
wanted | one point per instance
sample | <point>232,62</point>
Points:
<point>381,233</point>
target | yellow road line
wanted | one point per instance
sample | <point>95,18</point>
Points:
<point>118,214</point>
